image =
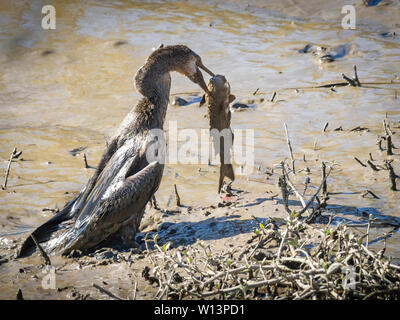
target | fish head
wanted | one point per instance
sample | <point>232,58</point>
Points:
<point>219,91</point>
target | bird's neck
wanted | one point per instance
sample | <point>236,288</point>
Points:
<point>153,81</point>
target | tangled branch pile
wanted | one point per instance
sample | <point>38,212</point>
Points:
<point>282,260</point>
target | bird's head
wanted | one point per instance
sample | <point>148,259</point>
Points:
<point>188,63</point>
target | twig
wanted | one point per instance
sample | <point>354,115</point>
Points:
<point>316,193</point>
<point>42,252</point>
<point>368,227</point>
<point>356,76</point>
<point>371,193</point>
<point>85,160</point>
<point>315,144</point>
<point>392,176</point>
<point>13,154</point>
<point>289,146</point>
<point>291,185</point>
<point>107,292</point>
<point>134,290</point>
<point>273,97</point>
<point>373,167</point>
<point>359,161</point>
<point>178,199</point>
<point>388,138</point>
<point>285,193</point>
<point>324,185</point>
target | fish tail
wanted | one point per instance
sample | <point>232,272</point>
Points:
<point>225,170</point>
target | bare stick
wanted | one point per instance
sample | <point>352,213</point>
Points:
<point>289,147</point>
<point>285,193</point>
<point>291,185</point>
<point>359,161</point>
<point>85,160</point>
<point>371,193</point>
<point>178,199</point>
<point>273,97</point>
<point>369,226</point>
<point>134,290</point>
<point>392,176</point>
<point>379,143</point>
<point>370,157</point>
<point>153,202</point>
<point>42,252</point>
<point>325,126</point>
<point>389,146</point>
<point>356,76</point>
<point>373,167</point>
<point>388,138</point>
<point>324,185</point>
<point>315,144</point>
<point>350,81</point>
<point>316,193</point>
<point>106,292</point>
<point>8,168</point>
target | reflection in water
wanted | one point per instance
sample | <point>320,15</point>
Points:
<point>69,88</point>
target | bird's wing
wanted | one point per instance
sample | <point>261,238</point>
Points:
<point>124,200</point>
<point>70,211</point>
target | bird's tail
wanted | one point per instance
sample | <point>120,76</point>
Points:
<point>44,232</point>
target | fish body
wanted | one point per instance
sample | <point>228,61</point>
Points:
<point>219,115</point>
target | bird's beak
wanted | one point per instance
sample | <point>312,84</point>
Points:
<point>199,77</point>
<point>200,81</point>
<point>202,66</point>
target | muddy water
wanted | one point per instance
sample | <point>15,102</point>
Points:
<point>69,88</point>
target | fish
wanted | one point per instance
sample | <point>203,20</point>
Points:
<point>217,102</point>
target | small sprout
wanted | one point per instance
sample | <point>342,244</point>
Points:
<point>155,237</point>
<point>328,232</point>
<point>245,289</point>
<point>261,226</point>
<point>293,215</point>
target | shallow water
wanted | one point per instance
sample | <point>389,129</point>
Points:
<point>69,88</point>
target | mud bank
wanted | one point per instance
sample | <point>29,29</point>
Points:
<point>59,104</point>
